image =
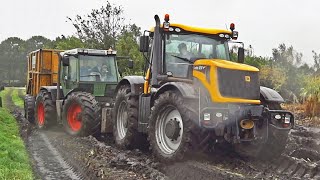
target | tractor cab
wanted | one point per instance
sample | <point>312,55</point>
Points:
<point>180,46</point>
<point>89,70</point>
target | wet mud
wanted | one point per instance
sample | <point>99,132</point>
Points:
<point>56,155</point>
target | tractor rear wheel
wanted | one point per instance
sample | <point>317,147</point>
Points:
<point>29,108</point>
<point>81,114</point>
<point>170,128</point>
<point>45,110</point>
<point>125,119</point>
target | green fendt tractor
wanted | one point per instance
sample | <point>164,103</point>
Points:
<point>82,98</point>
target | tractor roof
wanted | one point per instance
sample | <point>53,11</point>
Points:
<point>198,29</point>
<point>94,52</point>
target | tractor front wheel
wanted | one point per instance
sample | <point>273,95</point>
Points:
<point>170,128</point>
<point>81,114</point>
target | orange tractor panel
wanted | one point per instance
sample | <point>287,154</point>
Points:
<point>42,70</point>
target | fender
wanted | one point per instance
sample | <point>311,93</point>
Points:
<point>270,95</point>
<point>135,82</point>
<point>53,91</point>
<point>185,89</point>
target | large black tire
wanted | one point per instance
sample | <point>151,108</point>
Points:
<point>277,139</point>
<point>81,114</point>
<point>125,120</point>
<point>169,107</point>
<point>45,110</point>
<point>29,102</point>
<point>272,147</point>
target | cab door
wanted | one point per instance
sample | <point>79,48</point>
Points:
<point>70,74</point>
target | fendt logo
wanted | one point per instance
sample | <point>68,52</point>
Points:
<point>247,78</point>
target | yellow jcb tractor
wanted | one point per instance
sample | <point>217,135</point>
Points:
<point>193,95</point>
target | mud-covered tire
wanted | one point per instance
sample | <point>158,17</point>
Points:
<point>45,110</point>
<point>29,103</point>
<point>81,114</point>
<point>272,147</point>
<point>165,109</point>
<point>277,139</point>
<point>125,119</point>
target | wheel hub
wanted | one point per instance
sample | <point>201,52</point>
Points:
<point>172,129</point>
<point>78,116</point>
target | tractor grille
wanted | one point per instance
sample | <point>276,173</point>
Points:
<point>239,84</point>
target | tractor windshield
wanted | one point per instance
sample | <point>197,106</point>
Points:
<point>98,68</point>
<point>181,50</point>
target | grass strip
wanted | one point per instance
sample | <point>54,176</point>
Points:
<point>14,160</point>
<point>16,99</point>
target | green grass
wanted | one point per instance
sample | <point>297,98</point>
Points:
<point>16,99</point>
<point>2,95</point>
<point>14,160</point>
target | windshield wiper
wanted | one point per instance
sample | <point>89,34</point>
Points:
<point>184,59</point>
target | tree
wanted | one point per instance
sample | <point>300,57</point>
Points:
<point>127,46</point>
<point>101,28</point>
<point>71,42</point>
<point>38,42</point>
<point>316,59</point>
<point>286,56</point>
<point>13,59</point>
<point>104,28</point>
<point>288,60</point>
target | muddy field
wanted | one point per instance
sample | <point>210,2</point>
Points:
<point>55,155</point>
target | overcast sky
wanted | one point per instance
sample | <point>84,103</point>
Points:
<point>263,24</point>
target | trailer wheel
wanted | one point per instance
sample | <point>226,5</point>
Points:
<point>81,114</point>
<point>125,119</point>
<point>29,102</point>
<point>170,128</point>
<point>45,110</point>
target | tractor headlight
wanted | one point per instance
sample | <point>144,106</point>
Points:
<point>206,116</point>
<point>278,116</point>
<point>219,114</point>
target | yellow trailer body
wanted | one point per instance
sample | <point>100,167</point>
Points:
<point>42,70</point>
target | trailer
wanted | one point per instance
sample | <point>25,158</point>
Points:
<point>42,70</point>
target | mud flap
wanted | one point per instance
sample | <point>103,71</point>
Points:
<point>106,124</point>
<point>144,112</point>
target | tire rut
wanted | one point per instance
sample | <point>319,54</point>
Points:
<point>48,160</point>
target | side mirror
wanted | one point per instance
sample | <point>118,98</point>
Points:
<point>144,44</point>
<point>241,55</point>
<point>65,61</point>
<point>130,64</point>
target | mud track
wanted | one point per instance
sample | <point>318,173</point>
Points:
<point>55,155</point>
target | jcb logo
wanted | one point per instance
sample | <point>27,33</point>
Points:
<point>247,78</point>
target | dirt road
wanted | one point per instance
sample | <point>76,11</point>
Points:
<point>55,155</point>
